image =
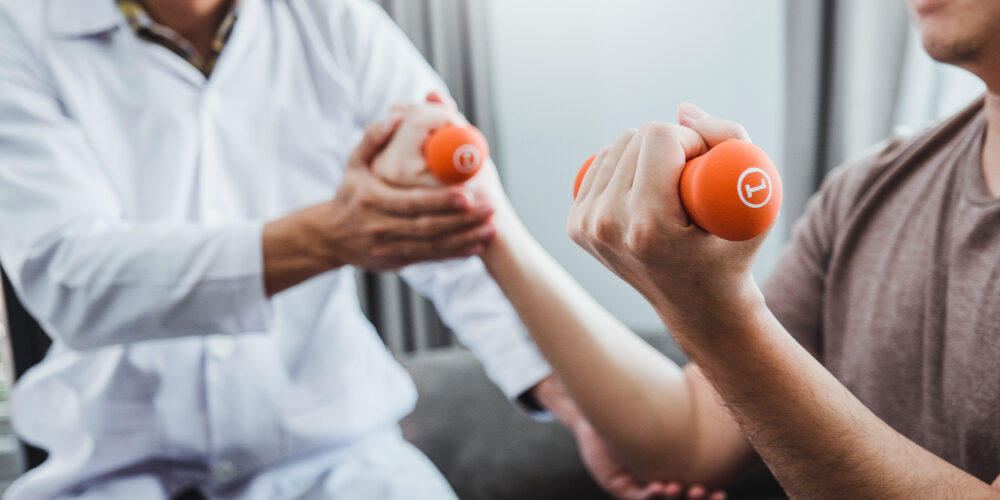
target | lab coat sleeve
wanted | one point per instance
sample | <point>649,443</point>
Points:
<point>388,70</point>
<point>475,308</point>
<point>91,277</point>
<point>386,67</point>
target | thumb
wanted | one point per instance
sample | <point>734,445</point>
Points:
<point>713,130</point>
<point>376,136</point>
<point>445,100</point>
<point>438,98</point>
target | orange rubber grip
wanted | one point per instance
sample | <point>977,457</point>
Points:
<point>733,191</point>
<point>454,154</point>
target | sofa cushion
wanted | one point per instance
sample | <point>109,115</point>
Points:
<point>489,449</point>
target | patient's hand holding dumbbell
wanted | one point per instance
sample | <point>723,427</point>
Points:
<point>435,146</point>
<point>629,214</point>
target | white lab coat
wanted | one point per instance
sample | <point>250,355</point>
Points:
<point>132,196</point>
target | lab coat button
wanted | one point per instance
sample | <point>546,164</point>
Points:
<point>223,471</point>
<point>221,346</point>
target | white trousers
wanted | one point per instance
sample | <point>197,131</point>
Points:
<point>381,467</point>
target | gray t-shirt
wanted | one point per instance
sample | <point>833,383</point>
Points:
<point>892,279</point>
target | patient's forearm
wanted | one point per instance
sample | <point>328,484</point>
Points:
<point>818,439</point>
<point>664,422</point>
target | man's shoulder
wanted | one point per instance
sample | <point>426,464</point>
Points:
<point>340,22</point>
<point>22,32</point>
<point>335,9</point>
<point>23,16</point>
<point>906,151</point>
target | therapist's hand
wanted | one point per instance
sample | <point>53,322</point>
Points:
<point>628,215</point>
<point>602,463</point>
<point>372,224</point>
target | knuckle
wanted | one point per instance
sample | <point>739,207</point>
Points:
<point>381,252</point>
<point>641,236</point>
<point>572,223</point>
<point>605,229</point>
<point>378,233</point>
<point>603,232</point>
<point>627,136</point>
<point>374,134</point>
<point>405,251</point>
<point>661,129</point>
<point>366,200</point>
<point>741,131</point>
<point>401,109</point>
<point>574,233</point>
<point>589,229</point>
<point>574,226</point>
<point>466,238</point>
<point>424,225</point>
<point>413,165</point>
<point>601,156</point>
<point>407,205</point>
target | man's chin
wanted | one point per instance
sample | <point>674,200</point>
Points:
<point>955,52</point>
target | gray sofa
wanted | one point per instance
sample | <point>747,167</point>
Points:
<point>490,450</point>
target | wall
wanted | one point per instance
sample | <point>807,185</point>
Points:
<point>569,76</point>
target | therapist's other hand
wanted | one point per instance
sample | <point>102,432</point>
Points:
<point>609,472</point>
<point>601,462</point>
<point>372,224</point>
<point>628,215</point>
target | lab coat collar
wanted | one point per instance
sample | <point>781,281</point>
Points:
<point>72,18</point>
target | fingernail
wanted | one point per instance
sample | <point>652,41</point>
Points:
<point>487,231</point>
<point>460,200</point>
<point>691,112</point>
<point>485,210</point>
<point>673,489</point>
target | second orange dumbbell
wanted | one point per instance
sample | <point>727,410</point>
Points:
<point>733,191</point>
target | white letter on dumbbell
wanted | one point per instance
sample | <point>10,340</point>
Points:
<point>752,190</point>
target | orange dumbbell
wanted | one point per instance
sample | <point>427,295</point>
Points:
<point>733,191</point>
<point>454,154</point>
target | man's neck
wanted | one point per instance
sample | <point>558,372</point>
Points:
<point>196,20</point>
<point>991,147</point>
